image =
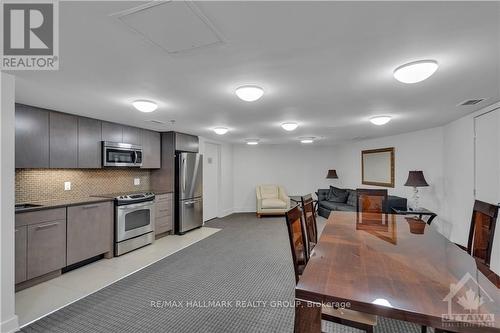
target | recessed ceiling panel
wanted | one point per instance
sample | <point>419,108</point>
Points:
<point>175,26</point>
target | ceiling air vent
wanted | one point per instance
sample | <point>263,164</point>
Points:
<point>157,122</point>
<point>471,102</point>
<point>174,26</point>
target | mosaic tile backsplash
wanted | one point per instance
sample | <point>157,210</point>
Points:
<point>48,184</point>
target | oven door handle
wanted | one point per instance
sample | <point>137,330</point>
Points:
<point>149,205</point>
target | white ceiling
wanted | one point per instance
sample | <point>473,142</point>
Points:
<point>326,65</point>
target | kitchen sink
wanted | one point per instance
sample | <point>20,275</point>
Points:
<point>26,205</point>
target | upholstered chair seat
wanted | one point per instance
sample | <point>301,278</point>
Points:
<point>271,200</point>
<point>273,203</point>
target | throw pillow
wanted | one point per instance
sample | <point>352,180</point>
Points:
<point>337,195</point>
<point>351,199</point>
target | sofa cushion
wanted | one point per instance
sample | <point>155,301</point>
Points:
<point>345,208</point>
<point>268,191</point>
<point>322,194</point>
<point>335,206</point>
<point>351,199</point>
<point>327,204</point>
<point>273,203</point>
<point>337,194</point>
<point>395,202</point>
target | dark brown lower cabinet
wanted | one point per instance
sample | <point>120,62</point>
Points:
<point>163,213</point>
<point>90,231</point>
<point>46,250</point>
<point>21,241</point>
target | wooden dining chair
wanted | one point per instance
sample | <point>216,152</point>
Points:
<point>371,200</point>
<point>297,240</point>
<point>481,234</point>
<point>310,222</point>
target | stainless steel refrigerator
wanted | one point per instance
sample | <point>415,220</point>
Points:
<point>189,191</point>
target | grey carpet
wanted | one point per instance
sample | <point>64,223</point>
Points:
<point>248,260</point>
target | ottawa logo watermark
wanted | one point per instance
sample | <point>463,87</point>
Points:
<point>30,35</point>
<point>467,305</point>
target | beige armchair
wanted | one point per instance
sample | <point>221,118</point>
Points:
<point>272,200</point>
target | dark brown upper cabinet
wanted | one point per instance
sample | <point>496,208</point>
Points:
<point>163,179</point>
<point>186,142</point>
<point>51,139</point>
<point>63,140</point>
<point>32,137</point>
<point>112,132</point>
<point>132,135</point>
<point>89,143</point>
<point>151,149</point>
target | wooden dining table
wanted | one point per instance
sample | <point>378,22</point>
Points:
<point>397,267</point>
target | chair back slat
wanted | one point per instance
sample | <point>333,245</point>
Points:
<point>482,231</point>
<point>371,200</point>
<point>310,221</point>
<point>297,239</point>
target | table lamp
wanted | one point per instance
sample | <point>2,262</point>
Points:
<point>416,179</point>
<point>332,174</point>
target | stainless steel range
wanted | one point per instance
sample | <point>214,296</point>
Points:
<point>134,221</point>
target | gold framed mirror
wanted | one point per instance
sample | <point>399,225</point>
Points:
<point>377,167</point>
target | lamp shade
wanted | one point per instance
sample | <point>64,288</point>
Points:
<point>332,174</point>
<point>416,179</point>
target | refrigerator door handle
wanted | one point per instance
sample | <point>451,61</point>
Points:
<point>183,167</point>
<point>190,214</point>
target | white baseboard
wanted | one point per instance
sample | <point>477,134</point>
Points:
<point>244,210</point>
<point>10,326</point>
<point>226,212</point>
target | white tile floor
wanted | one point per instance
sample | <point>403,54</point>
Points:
<point>42,299</point>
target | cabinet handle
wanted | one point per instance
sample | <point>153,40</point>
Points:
<point>47,226</point>
<point>16,230</point>
<point>89,207</point>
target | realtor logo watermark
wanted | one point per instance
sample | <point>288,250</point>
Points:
<point>30,35</point>
<point>467,302</point>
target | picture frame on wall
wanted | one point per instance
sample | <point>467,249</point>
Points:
<point>377,167</point>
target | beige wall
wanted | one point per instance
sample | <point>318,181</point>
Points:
<point>48,184</point>
<point>302,169</point>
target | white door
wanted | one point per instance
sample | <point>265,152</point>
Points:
<point>210,181</point>
<point>487,170</point>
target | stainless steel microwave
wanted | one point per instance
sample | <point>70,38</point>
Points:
<point>115,154</point>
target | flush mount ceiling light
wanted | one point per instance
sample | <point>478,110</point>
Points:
<point>220,130</point>
<point>289,126</point>
<point>306,140</point>
<point>145,105</point>
<point>252,142</point>
<point>249,93</point>
<point>380,120</point>
<point>415,71</point>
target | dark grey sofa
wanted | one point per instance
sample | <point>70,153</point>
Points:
<point>349,205</point>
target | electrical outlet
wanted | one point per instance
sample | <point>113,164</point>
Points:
<point>67,186</point>
<point>137,181</point>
